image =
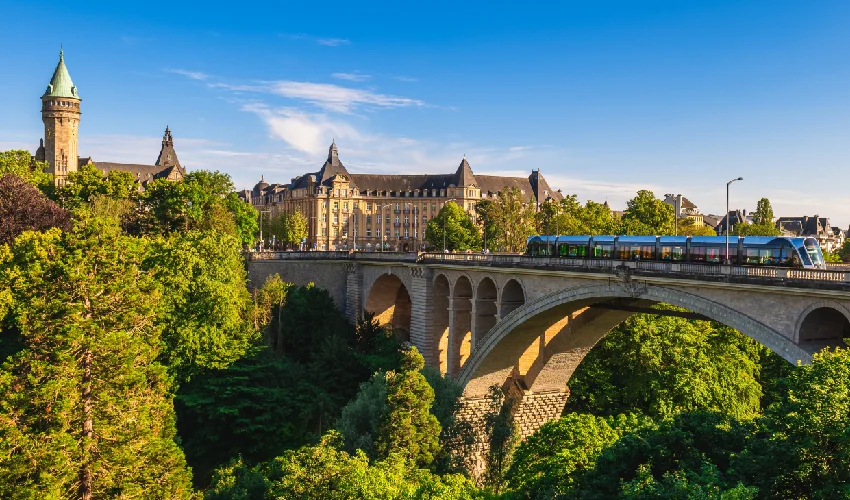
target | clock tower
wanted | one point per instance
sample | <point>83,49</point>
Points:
<point>60,112</point>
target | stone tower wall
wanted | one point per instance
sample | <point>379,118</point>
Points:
<point>61,117</point>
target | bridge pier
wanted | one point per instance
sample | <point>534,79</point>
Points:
<point>460,332</point>
<point>422,314</point>
<point>354,292</point>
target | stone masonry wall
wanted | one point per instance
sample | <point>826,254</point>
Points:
<point>530,412</point>
<point>332,276</point>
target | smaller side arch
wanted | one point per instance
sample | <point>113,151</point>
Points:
<point>820,304</point>
<point>460,323</point>
<point>442,291</point>
<point>512,296</point>
<point>485,309</point>
<point>822,324</point>
<point>390,301</point>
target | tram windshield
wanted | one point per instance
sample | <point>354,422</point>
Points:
<point>813,250</point>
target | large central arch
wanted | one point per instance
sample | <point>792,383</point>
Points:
<point>546,338</point>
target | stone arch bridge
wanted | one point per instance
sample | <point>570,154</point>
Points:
<point>526,323</point>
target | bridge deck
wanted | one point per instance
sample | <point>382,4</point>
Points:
<point>833,279</point>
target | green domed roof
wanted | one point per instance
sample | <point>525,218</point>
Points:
<point>61,84</point>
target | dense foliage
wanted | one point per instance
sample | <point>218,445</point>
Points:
<point>25,208</point>
<point>662,366</point>
<point>85,398</point>
<point>135,363</point>
<point>454,229</point>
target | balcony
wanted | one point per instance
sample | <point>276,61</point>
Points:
<point>397,224</point>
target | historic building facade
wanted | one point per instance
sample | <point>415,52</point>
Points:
<point>365,211</point>
<point>60,112</point>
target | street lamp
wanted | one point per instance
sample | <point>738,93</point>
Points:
<point>445,216</point>
<point>728,261</point>
<point>261,224</point>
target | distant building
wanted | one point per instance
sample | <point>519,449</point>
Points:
<point>345,210</point>
<point>684,207</point>
<point>60,112</point>
<point>733,218</point>
<point>815,227</point>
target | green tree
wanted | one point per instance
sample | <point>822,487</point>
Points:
<point>88,182</point>
<point>844,252</point>
<point>359,424</point>
<point>19,162</point>
<point>250,409</point>
<point>85,403</point>
<point>295,229</point>
<point>551,462</point>
<point>515,217</point>
<point>760,229</point>
<point>207,311</point>
<point>686,457</point>
<point>202,200</point>
<point>485,211</point>
<point>502,437</point>
<point>596,218</point>
<point>763,213</point>
<point>244,218</point>
<point>648,215</point>
<point>454,225</point>
<point>322,471</point>
<point>802,449</point>
<point>408,429</point>
<point>661,366</point>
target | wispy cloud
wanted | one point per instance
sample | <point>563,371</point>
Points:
<point>327,42</point>
<point>402,78</point>
<point>327,96</point>
<point>332,42</point>
<point>193,75</point>
<point>354,77</point>
<point>304,132</point>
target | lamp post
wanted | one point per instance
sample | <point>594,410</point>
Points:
<point>261,225</point>
<point>728,261</point>
<point>445,216</point>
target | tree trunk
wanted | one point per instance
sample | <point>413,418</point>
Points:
<point>88,429</point>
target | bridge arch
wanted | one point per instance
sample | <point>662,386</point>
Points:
<point>823,323</point>
<point>390,300</point>
<point>486,308</point>
<point>442,292</point>
<point>460,329</point>
<point>561,327</point>
<point>511,297</point>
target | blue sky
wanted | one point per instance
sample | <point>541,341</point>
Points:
<point>605,97</point>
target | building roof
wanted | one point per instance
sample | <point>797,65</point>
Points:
<point>167,155</point>
<point>463,175</point>
<point>805,225</point>
<point>396,183</point>
<point>167,165</point>
<point>61,85</point>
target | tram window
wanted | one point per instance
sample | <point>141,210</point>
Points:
<point>697,254</point>
<point>577,251</point>
<point>636,252</point>
<point>674,254</point>
<point>603,251</point>
<point>714,255</point>
<point>752,256</point>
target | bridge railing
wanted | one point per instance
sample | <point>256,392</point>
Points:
<point>389,256</point>
<point>606,265</point>
<point>296,255</point>
<point>688,268</point>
